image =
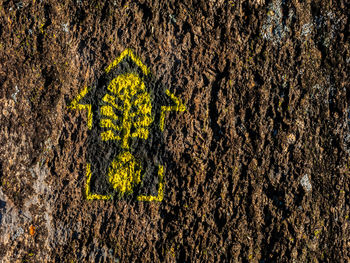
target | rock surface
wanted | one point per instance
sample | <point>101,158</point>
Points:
<point>257,166</point>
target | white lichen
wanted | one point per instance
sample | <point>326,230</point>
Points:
<point>306,30</point>
<point>274,29</point>
<point>305,183</point>
<point>14,95</point>
<point>65,27</point>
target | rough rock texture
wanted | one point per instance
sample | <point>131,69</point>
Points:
<point>257,166</point>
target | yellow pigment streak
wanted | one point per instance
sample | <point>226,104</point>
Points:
<point>128,52</point>
<point>141,133</point>
<point>179,106</point>
<point>111,100</point>
<point>107,123</point>
<point>160,196</point>
<point>89,195</point>
<point>109,135</point>
<point>75,105</point>
<point>108,111</point>
<point>143,121</point>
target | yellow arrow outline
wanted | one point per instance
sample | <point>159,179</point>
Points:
<point>89,195</point>
<point>179,106</point>
<point>136,59</point>
<point>160,196</point>
<point>75,105</point>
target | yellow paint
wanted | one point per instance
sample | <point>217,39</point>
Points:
<point>136,109</point>
<point>160,195</point>
<point>109,135</point>
<point>280,102</point>
<point>41,28</point>
<point>317,232</point>
<point>128,52</point>
<point>124,173</point>
<point>143,121</point>
<point>108,111</point>
<point>111,100</point>
<point>76,105</point>
<point>179,106</point>
<point>141,133</point>
<point>89,195</point>
<point>107,123</point>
